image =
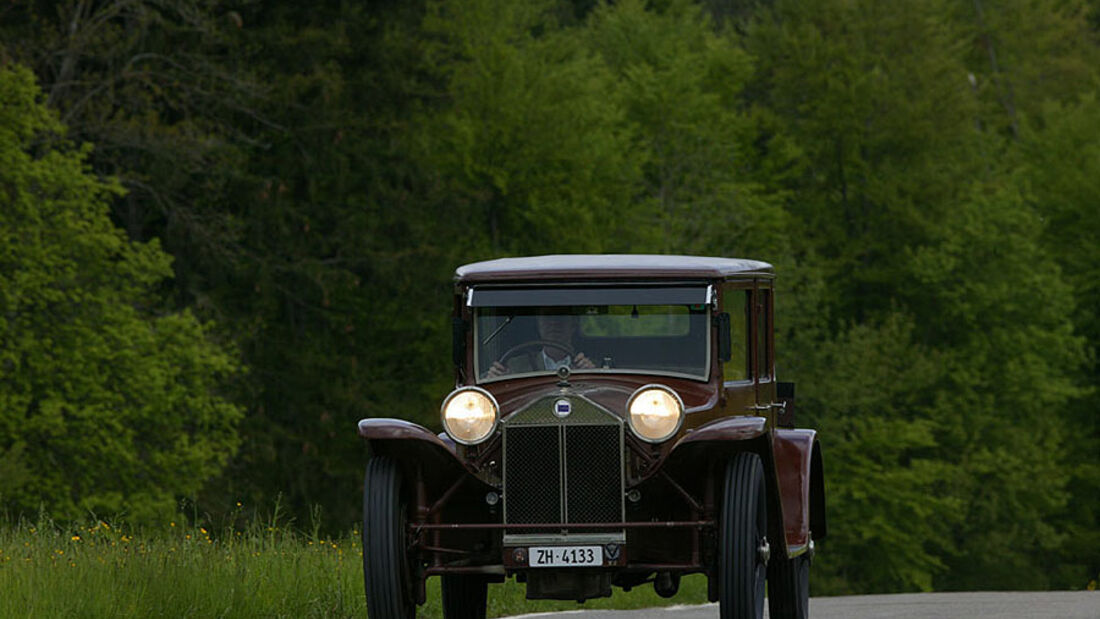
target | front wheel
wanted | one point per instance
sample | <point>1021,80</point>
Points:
<point>743,544</point>
<point>789,588</point>
<point>386,578</point>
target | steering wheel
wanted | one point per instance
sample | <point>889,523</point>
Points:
<point>513,351</point>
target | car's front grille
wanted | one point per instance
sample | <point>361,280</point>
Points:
<point>562,470</point>
<point>532,487</point>
<point>593,473</point>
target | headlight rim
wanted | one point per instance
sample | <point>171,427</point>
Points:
<point>452,395</point>
<point>679,420</point>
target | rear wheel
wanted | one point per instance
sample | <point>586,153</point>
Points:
<point>789,588</point>
<point>743,545</point>
<point>386,576</point>
<point>464,596</point>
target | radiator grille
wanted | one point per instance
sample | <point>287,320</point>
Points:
<point>562,470</point>
<point>533,484</point>
<point>593,466</point>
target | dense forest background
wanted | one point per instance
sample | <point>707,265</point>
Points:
<point>228,229</point>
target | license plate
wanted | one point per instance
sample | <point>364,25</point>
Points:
<point>565,556</point>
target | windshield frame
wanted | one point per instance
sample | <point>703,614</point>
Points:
<point>616,294</point>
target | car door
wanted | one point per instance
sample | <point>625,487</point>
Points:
<point>737,372</point>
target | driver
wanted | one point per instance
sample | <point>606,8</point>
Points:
<point>553,328</point>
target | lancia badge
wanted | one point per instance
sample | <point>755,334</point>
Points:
<point>562,408</point>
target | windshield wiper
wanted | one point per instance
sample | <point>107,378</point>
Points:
<point>506,322</point>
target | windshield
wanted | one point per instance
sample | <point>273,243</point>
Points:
<point>641,339</point>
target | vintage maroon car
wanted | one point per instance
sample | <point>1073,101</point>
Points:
<point>616,421</point>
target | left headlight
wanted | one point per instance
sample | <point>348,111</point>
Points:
<point>655,413</point>
<point>469,415</point>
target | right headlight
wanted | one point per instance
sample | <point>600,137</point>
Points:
<point>655,413</point>
<point>469,415</point>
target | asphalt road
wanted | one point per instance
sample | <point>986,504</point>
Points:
<point>1006,605</point>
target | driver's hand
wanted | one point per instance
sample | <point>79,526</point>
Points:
<point>497,369</point>
<point>582,363</point>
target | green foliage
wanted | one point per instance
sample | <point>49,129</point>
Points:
<point>915,205</point>
<point>888,514</point>
<point>531,144</point>
<point>105,405</point>
<point>877,101</point>
<point>678,84</point>
<point>1061,170</point>
<point>258,570</point>
<point>1013,357</point>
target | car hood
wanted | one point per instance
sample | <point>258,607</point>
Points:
<point>607,392</point>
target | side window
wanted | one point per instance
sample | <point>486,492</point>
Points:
<point>736,303</point>
<point>763,330</point>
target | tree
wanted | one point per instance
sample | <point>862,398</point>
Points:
<point>107,404</point>
<point>679,82</point>
<point>1000,311</point>
<point>911,198</point>
<point>889,517</point>
<point>1060,166</point>
<point>532,152</point>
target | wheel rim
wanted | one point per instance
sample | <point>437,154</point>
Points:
<point>760,576</point>
<point>762,556</point>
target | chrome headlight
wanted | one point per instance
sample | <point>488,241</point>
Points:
<point>655,413</point>
<point>469,415</point>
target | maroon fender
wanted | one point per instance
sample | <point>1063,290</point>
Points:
<point>418,452</point>
<point>386,429</point>
<point>798,464</point>
<point>726,429</point>
<point>715,441</point>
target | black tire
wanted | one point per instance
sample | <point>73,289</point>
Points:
<point>464,596</point>
<point>386,578</point>
<point>742,526</point>
<point>789,588</point>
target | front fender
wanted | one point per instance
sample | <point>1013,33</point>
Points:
<point>716,441</point>
<point>419,453</point>
<point>725,430</point>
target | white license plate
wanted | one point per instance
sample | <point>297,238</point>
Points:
<point>565,556</point>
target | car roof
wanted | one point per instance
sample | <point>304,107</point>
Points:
<point>610,266</point>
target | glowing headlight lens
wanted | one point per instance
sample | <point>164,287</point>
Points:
<point>655,412</point>
<point>469,415</point>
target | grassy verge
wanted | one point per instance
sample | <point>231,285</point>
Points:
<point>261,571</point>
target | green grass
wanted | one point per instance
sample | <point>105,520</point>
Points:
<point>261,571</point>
